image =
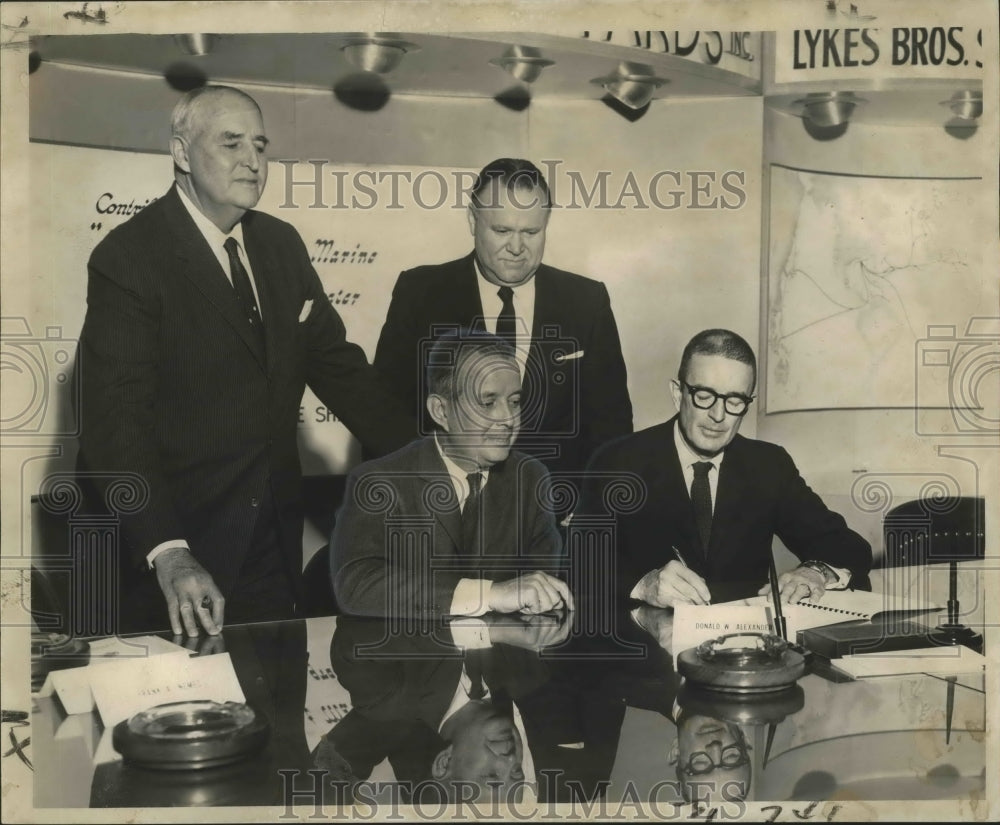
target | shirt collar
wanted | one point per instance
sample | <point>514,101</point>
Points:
<point>688,456</point>
<point>456,472</point>
<point>522,292</point>
<point>216,237</point>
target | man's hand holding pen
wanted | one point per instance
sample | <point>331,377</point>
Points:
<point>674,583</point>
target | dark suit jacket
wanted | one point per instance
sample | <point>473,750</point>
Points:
<point>572,406</point>
<point>760,494</point>
<point>173,390</point>
<point>396,545</point>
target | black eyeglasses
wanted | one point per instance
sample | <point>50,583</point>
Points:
<point>704,398</point>
<point>732,756</point>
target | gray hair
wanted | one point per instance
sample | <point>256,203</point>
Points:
<point>184,116</point>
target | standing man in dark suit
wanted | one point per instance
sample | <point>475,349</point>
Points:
<point>452,524</point>
<point>714,500</point>
<point>569,353</point>
<point>205,321</point>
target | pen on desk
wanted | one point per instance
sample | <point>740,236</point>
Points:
<point>779,619</point>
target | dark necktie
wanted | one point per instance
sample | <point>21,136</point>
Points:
<point>470,515</point>
<point>244,292</point>
<point>474,670</point>
<point>701,498</point>
<point>507,319</point>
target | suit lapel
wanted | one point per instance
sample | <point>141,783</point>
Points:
<point>678,498</point>
<point>499,502</point>
<point>201,267</point>
<point>458,297</point>
<point>267,276</point>
<point>547,310</point>
<point>442,503</point>
<point>732,478</point>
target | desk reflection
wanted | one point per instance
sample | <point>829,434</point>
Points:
<point>532,710</point>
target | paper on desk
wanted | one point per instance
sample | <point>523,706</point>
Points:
<point>127,687</point>
<point>941,661</point>
<point>73,685</point>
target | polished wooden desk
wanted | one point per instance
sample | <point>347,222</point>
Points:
<point>873,739</point>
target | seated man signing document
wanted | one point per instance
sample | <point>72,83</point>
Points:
<point>714,500</point>
<point>452,524</point>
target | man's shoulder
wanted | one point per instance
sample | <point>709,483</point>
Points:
<point>763,454</point>
<point>427,275</point>
<point>636,448</point>
<point>418,455</point>
<point>255,221</point>
<point>563,277</point>
<point>147,222</point>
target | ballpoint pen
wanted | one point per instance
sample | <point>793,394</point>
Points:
<point>779,619</point>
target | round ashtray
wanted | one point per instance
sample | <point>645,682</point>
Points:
<point>743,663</point>
<point>190,735</point>
<point>756,708</point>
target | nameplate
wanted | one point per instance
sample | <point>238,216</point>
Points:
<point>125,688</point>
<point>694,624</point>
<point>73,685</point>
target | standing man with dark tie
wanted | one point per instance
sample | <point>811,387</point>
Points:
<point>713,500</point>
<point>205,321</point>
<point>568,349</point>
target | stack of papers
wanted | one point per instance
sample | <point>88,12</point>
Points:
<point>947,661</point>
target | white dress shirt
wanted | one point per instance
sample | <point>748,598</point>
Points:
<point>689,458</point>
<point>471,596</point>
<point>524,309</point>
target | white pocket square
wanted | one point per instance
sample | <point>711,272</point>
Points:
<point>570,356</point>
<point>306,309</point>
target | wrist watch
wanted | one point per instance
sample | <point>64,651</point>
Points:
<point>822,567</point>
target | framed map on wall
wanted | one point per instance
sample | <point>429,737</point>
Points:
<point>861,269</point>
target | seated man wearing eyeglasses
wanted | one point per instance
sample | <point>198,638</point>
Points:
<point>712,501</point>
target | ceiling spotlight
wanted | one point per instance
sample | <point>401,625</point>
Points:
<point>829,109</point>
<point>197,45</point>
<point>967,105</point>
<point>378,53</point>
<point>523,62</point>
<point>632,84</point>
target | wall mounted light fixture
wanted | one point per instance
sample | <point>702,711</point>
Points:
<point>829,109</point>
<point>966,104</point>
<point>525,63</point>
<point>196,45</point>
<point>378,53</point>
<point>632,84</point>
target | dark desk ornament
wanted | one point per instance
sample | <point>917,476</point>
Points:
<point>193,735</point>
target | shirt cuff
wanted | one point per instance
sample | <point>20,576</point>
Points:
<point>636,591</point>
<point>173,544</point>
<point>470,633</point>
<point>843,578</point>
<point>471,597</point>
